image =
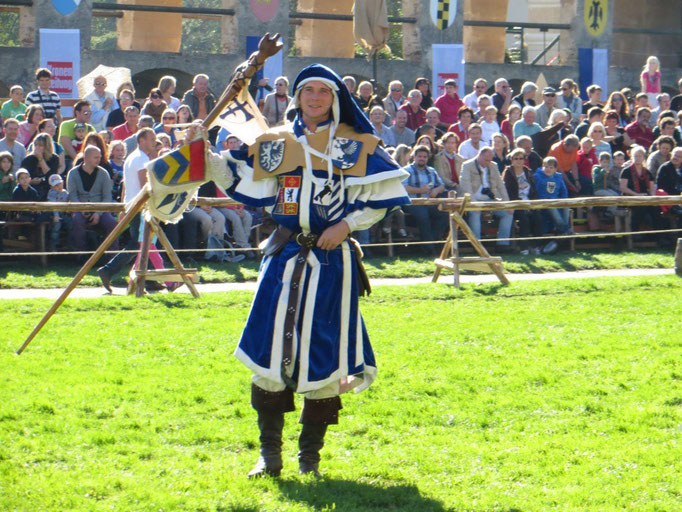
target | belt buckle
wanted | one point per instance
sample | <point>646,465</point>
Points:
<point>306,241</point>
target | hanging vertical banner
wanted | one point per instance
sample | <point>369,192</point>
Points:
<point>593,64</point>
<point>447,63</point>
<point>596,16</point>
<point>443,13</point>
<point>60,52</point>
<point>263,10</point>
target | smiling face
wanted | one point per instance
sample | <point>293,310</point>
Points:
<point>421,158</point>
<point>316,100</point>
<point>377,116</point>
<point>17,94</point>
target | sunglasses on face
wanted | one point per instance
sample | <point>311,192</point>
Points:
<point>155,96</point>
<point>396,90</point>
<point>100,83</point>
<point>550,95</point>
<point>169,119</point>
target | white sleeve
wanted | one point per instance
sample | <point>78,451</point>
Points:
<point>364,219</point>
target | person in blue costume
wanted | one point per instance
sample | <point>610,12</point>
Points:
<point>320,177</point>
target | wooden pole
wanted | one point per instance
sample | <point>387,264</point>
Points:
<point>135,206</point>
<point>678,258</point>
<point>140,279</point>
<point>173,256</point>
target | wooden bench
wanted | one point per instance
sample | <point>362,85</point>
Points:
<point>34,242</point>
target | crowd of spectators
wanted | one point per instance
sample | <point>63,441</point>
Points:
<point>492,144</point>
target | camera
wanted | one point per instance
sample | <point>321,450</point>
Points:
<point>488,193</point>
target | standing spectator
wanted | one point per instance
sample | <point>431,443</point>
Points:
<point>513,115</point>
<point>481,179</point>
<point>82,113</point>
<point>401,133</point>
<point>570,99</point>
<point>394,99</point>
<point>593,98</point>
<point>586,160</point>
<point>565,153</point>
<point>102,103</point>
<point>662,155</point>
<point>424,181</point>
<point>471,99</point>
<point>49,100</point>
<point>526,125</point>
<point>377,117</point>
<point>617,102</point>
<point>7,179</point>
<point>14,107</point>
<point>29,128</point>
<point>449,102</point>
<point>550,185</point>
<point>41,163</point>
<point>423,85</point>
<point>117,116</point>
<point>636,180</point>
<point>275,104</point>
<point>448,163</point>
<point>461,127</point>
<point>129,127</point>
<point>167,85</point>
<point>502,97</point>
<point>154,105</point>
<point>650,79</point>
<point>199,99</point>
<point>520,185</point>
<point>470,147</point>
<point>676,101</point>
<point>9,142</point>
<point>597,132</point>
<point>416,116</point>
<point>543,112</point>
<point>526,98</point>
<point>639,130</point>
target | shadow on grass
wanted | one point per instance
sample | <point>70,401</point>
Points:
<point>327,493</point>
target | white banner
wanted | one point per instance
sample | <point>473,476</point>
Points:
<point>242,118</point>
<point>60,52</point>
<point>600,70</point>
<point>448,62</point>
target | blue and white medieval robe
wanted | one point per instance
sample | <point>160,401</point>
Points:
<point>330,341</point>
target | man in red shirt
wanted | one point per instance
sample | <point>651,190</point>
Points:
<point>449,103</point>
<point>639,130</point>
<point>416,116</point>
<point>122,132</point>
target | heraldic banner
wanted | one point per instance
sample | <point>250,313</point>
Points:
<point>447,62</point>
<point>242,118</point>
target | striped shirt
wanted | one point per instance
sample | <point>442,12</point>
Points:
<point>50,102</point>
<point>420,177</point>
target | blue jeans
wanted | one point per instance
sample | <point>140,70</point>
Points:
<point>504,229</point>
<point>559,217</point>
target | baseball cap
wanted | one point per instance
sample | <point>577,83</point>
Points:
<point>54,180</point>
<point>79,125</point>
<point>549,90</point>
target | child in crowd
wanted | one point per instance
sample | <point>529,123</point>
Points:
<point>650,79</point>
<point>57,194</point>
<point>489,125</point>
<point>550,185</point>
<point>117,154</point>
<point>6,177</point>
<point>618,163</point>
<point>586,160</point>
<point>605,180</point>
<point>79,133</point>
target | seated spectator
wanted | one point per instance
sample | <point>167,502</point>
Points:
<point>617,102</point>
<point>543,112</point>
<point>377,116</point>
<point>448,163</point>
<point>184,115</point>
<point>393,100</point>
<point>482,181</point>
<point>662,104</point>
<point>596,132</point>
<point>670,179</point>
<point>533,159</point>
<point>668,127</point>
<point>606,180</point>
<point>29,128</point>
<point>164,142</point>
<point>60,220</point>
<point>7,180</point>
<point>501,98</point>
<point>449,102</point>
<point>131,142</point>
<point>167,85</point>
<point>401,133</point>
<point>616,136</point>
<point>89,183</point>
<point>642,101</point>
<point>423,85</point>
<point>520,185</point>
<point>501,148</point>
<point>10,144</point>
<point>513,116</point>
<point>661,155</point>
<point>461,127</point>
<point>275,103</point>
<point>402,155</point>
<point>43,96</point>
<point>565,152</point>
<point>41,163</point>
<point>676,101</point>
<point>594,115</point>
<point>14,107</point>
<point>82,113</point>
<point>483,102</point>
<point>639,130</point>
<point>117,155</point>
<point>570,99</point>
<point>470,147</point>
<point>550,185</point>
<point>489,125</point>
<point>558,128</point>
<point>471,99</point>
<point>427,140</point>
<point>117,116</point>
<point>129,127</point>
<point>416,116</point>
<point>102,103</point>
<point>199,99</point>
<point>154,105</point>
<point>433,119</point>
<point>636,180</point>
<point>168,119</point>
<point>586,159</point>
<point>526,125</point>
<point>593,98</point>
<point>24,192</point>
<point>526,98</point>
<point>424,181</point>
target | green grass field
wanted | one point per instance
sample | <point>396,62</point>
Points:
<point>60,272</point>
<point>540,396</point>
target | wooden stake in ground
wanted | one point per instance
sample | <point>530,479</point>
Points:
<point>135,206</point>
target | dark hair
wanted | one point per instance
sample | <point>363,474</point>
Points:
<point>80,104</point>
<point>42,124</point>
<point>157,91</point>
<point>143,133</point>
<point>43,73</point>
<point>31,111</point>
<point>463,110</point>
<point>419,148</point>
<point>665,139</point>
<point>594,111</point>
